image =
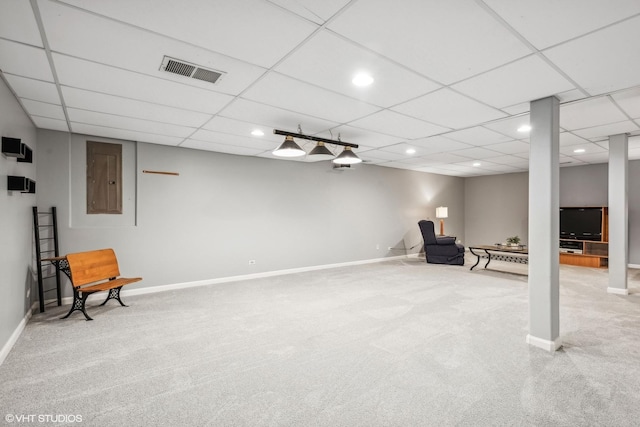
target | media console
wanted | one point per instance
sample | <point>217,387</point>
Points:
<point>584,236</point>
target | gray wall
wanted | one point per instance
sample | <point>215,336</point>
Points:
<point>497,206</point>
<point>15,219</point>
<point>224,210</point>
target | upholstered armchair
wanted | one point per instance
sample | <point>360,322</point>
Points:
<point>440,249</point>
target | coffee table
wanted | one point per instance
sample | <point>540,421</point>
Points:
<point>517,254</point>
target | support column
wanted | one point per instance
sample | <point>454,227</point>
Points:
<point>618,214</point>
<point>544,225</point>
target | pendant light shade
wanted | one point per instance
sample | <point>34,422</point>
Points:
<point>321,151</point>
<point>347,157</point>
<point>289,148</point>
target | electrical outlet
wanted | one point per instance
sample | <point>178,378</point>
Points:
<point>252,261</point>
<point>378,246</point>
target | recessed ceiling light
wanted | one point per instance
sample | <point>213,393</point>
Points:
<point>411,151</point>
<point>257,132</point>
<point>524,128</point>
<point>476,164</point>
<point>362,79</point>
<point>579,150</point>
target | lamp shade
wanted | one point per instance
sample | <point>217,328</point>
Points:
<point>442,212</point>
<point>289,148</point>
<point>321,151</point>
<point>347,157</point>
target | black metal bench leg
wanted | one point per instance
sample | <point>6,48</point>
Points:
<point>79,300</point>
<point>114,294</point>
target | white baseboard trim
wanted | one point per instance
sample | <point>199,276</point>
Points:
<point>6,348</point>
<point>229,279</point>
<point>550,346</point>
<point>633,265</point>
<point>618,291</point>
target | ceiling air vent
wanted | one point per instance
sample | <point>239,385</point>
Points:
<point>183,68</point>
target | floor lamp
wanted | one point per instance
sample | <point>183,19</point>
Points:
<point>441,213</point>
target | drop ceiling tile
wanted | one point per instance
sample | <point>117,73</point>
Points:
<point>402,149</point>
<point>448,108</point>
<point>485,166</point>
<point>274,118</point>
<point>399,125</point>
<point>240,128</point>
<point>342,60</point>
<point>589,113</point>
<point>568,138</point>
<point>594,158</point>
<point>293,95</point>
<point>33,89</point>
<point>128,135</point>
<point>18,23</point>
<point>438,144</point>
<point>523,80</point>
<point>467,170</point>
<point>380,155</point>
<point>589,147</point>
<point>629,101</point>
<point>363,137</point>
<point>475,153</point>
<point>511,147</point>
<point>138,50</point>
<point>603,132</point>
<point>502,168</point>
<point>25,61</point>
<point>110,104</point>
<point>234,28</point>
<point>220,148</point>
<point>443,158</point>
<point>315,11</point>
<point>548,22</point>
<point>49,123</point>
<point>510,160</point>
<point>114,81</point>
<point>446,41</point>
<point>37,108</point>
<point>478,136</point>
<point>510,126</point>
<point>127,123</point>
<point>603,53</point>
<point>270,143</point>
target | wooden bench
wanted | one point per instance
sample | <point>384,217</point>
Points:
<point>95,271</point>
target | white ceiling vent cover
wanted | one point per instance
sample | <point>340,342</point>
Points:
<point>183,68</point>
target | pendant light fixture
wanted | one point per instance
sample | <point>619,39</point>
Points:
<point>321,151</point>
<point>347,157</point>
<point>289,148</point>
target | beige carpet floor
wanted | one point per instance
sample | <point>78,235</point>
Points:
<point>396,343</point>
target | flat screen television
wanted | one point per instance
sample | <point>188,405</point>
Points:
<point>581,223</point>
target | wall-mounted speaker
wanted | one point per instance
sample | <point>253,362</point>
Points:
<point>28,155</point>
<point>13,147</point>
<point>21,184</point>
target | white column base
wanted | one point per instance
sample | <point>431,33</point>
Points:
<point>550,346</point>
<point>618,291</point>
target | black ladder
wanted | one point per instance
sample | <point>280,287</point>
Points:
<point>45,228</point>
